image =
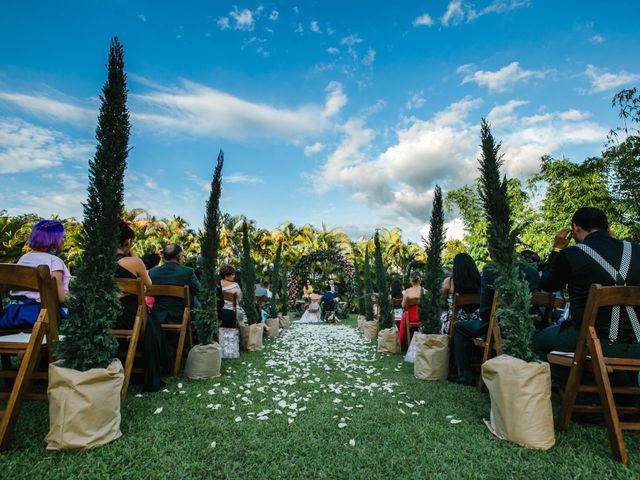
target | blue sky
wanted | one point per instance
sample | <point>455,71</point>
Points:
<point>342,112</point>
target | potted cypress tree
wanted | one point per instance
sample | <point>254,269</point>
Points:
<point>250,334</point>
<point>519,386</point>
<point>88,374</point>
<point>432,348</point>
<point>370,327</point>
<point>205,358</point>
<point>388,340</point>
<point>284,298</point>
<point>359,291</point>
<point>273,322</point>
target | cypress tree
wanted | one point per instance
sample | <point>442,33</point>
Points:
<point>430,304</point>
<point>86,341</point>
<point>368,287</point>
<point>206,318</point>
<point>516,324</point>
<point>248,280</point>
<point>284,291</point>
<point>358,285</point>
<point>275,283</point>
<point>384,305</point>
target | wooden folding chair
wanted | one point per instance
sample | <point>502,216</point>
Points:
<point>25,345</point>
<point>589,344</point>
<point>184,327</point>
<point>461,300</point>
<point>493,342</point>
<point>233,298</point>
<point>410,326</point>
<point>130,337</point>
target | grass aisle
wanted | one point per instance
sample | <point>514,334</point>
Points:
<point>317,402</point>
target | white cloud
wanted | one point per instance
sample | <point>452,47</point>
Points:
<point>601,81</point>
<point>423,20</point>
<point>241,178</point>
<point>26,147</point>
<point>502,115</point>
<point>299,28</point>
<point>243,18</point>
<point>458,11</point>
<point>351,40</point>
<point>142,18</point>
<point>574,115</point>
<point>499,80</point>
<point>333,50</point>
<point>416,101</point>
<point>310,150</point>
<point>49,108</point>
<point>369,58</point>
<point>273,16</point>
<point>199,110</point>
<point>315,28</point>
<point>223,23</point>
<point>597,39</point>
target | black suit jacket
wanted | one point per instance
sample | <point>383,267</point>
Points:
<point>576,269</point>
<point>169,309</point>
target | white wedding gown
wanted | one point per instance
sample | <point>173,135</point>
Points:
<point>311,314</point>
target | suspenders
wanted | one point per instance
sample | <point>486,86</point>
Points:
<point>620,277</point>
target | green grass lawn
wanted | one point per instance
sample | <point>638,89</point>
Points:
<point>317,402</point>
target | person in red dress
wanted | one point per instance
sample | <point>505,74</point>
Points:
<point>410,312</point>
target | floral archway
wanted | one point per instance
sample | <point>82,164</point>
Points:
<point>300,270</point>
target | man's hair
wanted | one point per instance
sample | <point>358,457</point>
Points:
<point>590,218</point>
<point>150,260</point>
<point>171,251</point>
<point>530,256</point>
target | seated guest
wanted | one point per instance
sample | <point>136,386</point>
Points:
<point>46,242</point>
<point>465,278</point>
<point>173,272</point>
<point>260,290</point>
<point>312,313</point>
<point>307,290</point>
<point>464,332</point>
<point>595,254</point>
<point>228,283</point>
<point>410,312</point>
<point>396,299</point>
<point>150,260</point>
<point>267,288</point>
<point>155,358</point>
<point>327,301</point>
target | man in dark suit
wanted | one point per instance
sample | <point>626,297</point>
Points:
<point>579,267</point>
<point>173,272</point>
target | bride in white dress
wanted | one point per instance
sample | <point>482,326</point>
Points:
<point>312,313</point>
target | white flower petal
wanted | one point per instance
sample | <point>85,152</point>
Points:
<point>342,425</point>
<point>213,444</point>
<point>238,419</point>
<point>454,421</point>
<point>158,410</point>
<point>352,442</point>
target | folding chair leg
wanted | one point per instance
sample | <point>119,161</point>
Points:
<point>131,355</point>
<point>179,351</point>
<point>570,393</point>
<point>22,382</point>
<point>606,398</point>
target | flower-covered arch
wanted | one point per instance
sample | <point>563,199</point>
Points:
<point>299,270</point>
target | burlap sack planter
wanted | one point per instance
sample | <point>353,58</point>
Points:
<point>432,357</point>
<point>204,361</point>
<point>284,321</point>
<point>251,337</point>
<point>371,330</point>
<point>274,327</point>
<point>388,340</point>
<point>520,401</point>
<point>361,320</point>
<point>84,407</point>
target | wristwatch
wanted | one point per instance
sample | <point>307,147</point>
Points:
<point>554,250</point>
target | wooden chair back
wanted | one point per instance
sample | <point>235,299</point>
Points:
<point>130,286</point>
<point>396,302</point>
<point>549,302</point>
<point>461,300</point>
<point>231,297</point>
<point>184,327</point>
<point>589,344</point>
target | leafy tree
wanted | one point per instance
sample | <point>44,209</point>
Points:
<point>516,324</point>
<point>384,305</point>
<point>430,304</point>
<point>86,341</point>
<point>623,159</point>
<point>284,290</point>
<point>206,318</point>
<point>248,280</point>
<point>452,247</point>
<point>275,283</point>
<point>368,287</point>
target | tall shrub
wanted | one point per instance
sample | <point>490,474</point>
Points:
<point>284,291</point>
<point>358,285</point>
<point>516,325</point>
<point>368,287</point>
<point>430,304</point>
<point>248,280</point>
<point>275,283</point>
<point>206,318</point>
<point>86,341</point>
<point>384,305</point>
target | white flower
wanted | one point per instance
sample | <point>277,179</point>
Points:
<point>290,420</point>
<point>166,391</point>
<point>454,421</point>
<point>213,444</point>
<point>238,419</point>
<point>182,392</point>
<point>352,442</point>
<point>158,411</point>
<point>402,411</point>
<point>342,425</point>
<point>449,417</point>
<point>139,395</point>
<point>263,417</point>
<point>179,385</point>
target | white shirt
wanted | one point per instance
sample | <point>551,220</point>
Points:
<point>35,259</point>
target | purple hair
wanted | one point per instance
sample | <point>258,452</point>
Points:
<point>46,235</point>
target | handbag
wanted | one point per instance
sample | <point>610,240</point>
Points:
<point>230,342</point>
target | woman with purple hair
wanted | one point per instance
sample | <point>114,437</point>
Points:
<point>46,242</point>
